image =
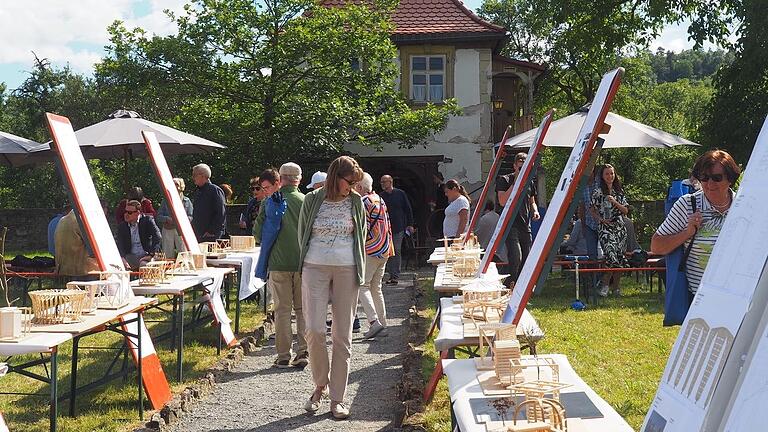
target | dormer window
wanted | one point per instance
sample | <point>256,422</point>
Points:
<point>428,78</point>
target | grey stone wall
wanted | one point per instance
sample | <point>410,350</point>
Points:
<point>28,228</point>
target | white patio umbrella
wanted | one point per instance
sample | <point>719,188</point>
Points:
<point>119,136</point>
<point>16,151</point>
<point>624,133</point>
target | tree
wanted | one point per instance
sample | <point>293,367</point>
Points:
<point>582,39</point>
<point>740,104</point>
<point>331,80</point>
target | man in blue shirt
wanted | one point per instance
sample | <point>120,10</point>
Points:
<point>52,230</point>
<point>401,219</point>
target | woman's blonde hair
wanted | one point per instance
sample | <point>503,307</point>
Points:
<point>341,167</point>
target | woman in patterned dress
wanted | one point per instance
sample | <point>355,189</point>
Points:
<point>608,206</point>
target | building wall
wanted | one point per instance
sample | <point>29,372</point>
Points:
<point>466,136</point>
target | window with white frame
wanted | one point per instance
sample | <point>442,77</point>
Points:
<point>428,78</point>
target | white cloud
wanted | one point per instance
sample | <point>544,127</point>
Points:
<point>675,38</point>
<point>73,32</point>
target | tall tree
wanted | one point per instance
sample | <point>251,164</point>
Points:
<point>273,80</point>
<point>740,105</point>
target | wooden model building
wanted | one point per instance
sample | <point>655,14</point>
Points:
<point>504,351</point>
<point>94,291</point>
<point>539,389</point>
<point>15,323</point>
<point>222,245</point>
<point>242,243</point>
<point>466,265</point>
<point>489,333</point>
<point>546,365</point>
<point>482,296</point>
<point>115,295</point>
<point>541,415</point>
<point>155,272</point>
<point>57,306</point>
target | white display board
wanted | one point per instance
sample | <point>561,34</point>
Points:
<point>518,195</point>
<point>547,237</point>
<point>700,378</point>
<point>187,233</point>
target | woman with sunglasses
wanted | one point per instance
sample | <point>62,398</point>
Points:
<point>717,172</point>
<point>609,205</point>
<point>332,227</point>
<point>248,216</point>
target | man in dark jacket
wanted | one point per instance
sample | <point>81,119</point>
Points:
<point>401,219</point>
<point>138,238</point>
<point>209,213</point>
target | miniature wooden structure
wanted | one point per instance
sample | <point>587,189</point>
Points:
<point>548,365</point>
<point>504,351</point>
<point>155,273</point>
<point>466,265</point>
<point>57,306</point>
<point>114,295</point>
<point>541,415</point>
<point>489,333</point>
<point>539,389</point>
<point>483,296</point>
<point>15,323</point>
<point>242,243</point>
<point>222,246</point>
<point>94,290</point>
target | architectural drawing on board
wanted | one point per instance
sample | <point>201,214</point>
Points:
<point>700,360</point>
<point>733,263</point>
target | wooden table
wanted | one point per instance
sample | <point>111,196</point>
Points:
<point>38,343</point>
<point>468,401</point>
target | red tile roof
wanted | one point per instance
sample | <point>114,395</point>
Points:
<point>434,17</point>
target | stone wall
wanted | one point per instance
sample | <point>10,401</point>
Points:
<point>28,228</point>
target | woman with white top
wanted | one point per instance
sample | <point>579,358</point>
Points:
<point>457,213</point>
<point>332,226</point>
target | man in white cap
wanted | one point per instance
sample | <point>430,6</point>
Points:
<point>284,279</point>
<point>318,180</point>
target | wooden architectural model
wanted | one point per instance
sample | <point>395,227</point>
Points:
<point>94,291</point>
<point>222,246</point>
<point>489,333</point>
<point>541,415</point>
<point>242,243</point>
<point>57,306</point>
<point>481,297</point>
<point>155,272</point>
<point>504,351</point>
<point>116,294</point>
<point>15,323</point>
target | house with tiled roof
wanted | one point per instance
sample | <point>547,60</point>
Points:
<point>446,51</point>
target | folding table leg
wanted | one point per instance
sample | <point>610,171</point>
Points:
<point>180,342</point>
<point>54,388</point>
<point>73,377</point>
<point>138,365</point>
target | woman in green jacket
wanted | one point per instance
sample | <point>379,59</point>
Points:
<point>332,228</point>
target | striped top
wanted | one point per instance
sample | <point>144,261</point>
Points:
<point>705,238</point>
<point>378,241</point>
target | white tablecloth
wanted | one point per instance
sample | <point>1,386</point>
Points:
<point>463,387</point>
<point>452,330</point>
<point>249,283</point>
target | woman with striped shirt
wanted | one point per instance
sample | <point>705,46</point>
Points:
<point>717,172</point>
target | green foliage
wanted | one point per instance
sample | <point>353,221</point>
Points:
<point>692,64</point>
<point>211,78</point>
<point>740,103</point>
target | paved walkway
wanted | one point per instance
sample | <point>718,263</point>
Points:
<point>257,397</point>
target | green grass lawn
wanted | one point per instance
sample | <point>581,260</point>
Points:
<point>619,348</point>
<point>112,407</point>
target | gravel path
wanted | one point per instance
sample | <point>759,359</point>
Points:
<point>257,397</point>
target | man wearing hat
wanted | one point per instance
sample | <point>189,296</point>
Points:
<point>318,180</point>
<point>284,279</point>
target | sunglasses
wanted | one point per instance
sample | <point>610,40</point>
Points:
<point>714,177</point>
<point>256,188</point>
<point>130,212</point>
<point>351,183</point>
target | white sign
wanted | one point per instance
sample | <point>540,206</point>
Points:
<point>706,360</point>
<point>517,196</point>
<point>547,238</point>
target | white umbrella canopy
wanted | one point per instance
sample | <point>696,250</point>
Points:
<point>120,135</point>
<point>17,151</point>
<point>624,133</point>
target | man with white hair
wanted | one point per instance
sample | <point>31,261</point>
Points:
<point>209,212</point>
<point>378,248</point>
<point>276,229</point>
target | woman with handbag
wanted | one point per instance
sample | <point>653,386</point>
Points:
<point>698,228</point>
<point>332,229</point>
<point>609,205</point>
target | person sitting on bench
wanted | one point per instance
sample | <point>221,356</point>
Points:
<point>138,238</point>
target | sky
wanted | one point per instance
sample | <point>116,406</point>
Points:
<point>74,32</point>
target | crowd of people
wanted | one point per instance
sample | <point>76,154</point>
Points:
<point>339,243</point>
